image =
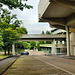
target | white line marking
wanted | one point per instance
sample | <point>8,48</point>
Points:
<point>55,66</point>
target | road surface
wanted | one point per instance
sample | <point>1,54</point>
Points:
<point>37,64</point>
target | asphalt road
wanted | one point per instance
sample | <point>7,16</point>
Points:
<point>37,64</point>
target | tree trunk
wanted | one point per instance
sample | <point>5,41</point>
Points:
<point>5,50</point>
<point>8,51</point>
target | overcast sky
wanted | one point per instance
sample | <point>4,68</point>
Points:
<point>30,18</point>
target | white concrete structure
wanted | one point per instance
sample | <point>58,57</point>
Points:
<point>72,43</point>
<point>42,37</point>
<point>53,47</point>
<point>13,49</point>
<point>60,14</point>
<point>58,31</point>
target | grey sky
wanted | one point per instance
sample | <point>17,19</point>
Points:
<point>30,18</point>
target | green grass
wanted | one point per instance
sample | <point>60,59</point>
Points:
<point>3,56</point>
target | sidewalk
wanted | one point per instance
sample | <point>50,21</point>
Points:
<point>5,63</point>
<point>30,65</point>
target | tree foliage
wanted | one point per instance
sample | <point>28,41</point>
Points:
<point>48,32</point>
<point>32,44</point>
<point>42,32</point>
<point>10,29</point>
<point>21,4</point>
<point>22,30</point>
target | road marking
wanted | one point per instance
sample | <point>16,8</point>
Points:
<point>55,66</point>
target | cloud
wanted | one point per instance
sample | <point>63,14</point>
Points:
<point>37,28</point>
<point>30,18</point>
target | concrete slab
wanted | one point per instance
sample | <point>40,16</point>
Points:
<point>30,65</point>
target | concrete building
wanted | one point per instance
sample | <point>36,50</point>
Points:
<point>60,14</point>
<point>59,48</point>
<point>60,44</point>
<point>47,48</point>
<point>58,31</point>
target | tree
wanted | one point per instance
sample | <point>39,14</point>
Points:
<point>9,36</point>
<point>20,46</point>
<point>1,42</point>
<point>10,29</point>
<point>26,45</point>
<point>21,4</point>
<point>48,32</point>
<point>42,32</point>
<point>22,30</point>
<point>32,44</point>
<point>48,42</point>
<point>8,18</point>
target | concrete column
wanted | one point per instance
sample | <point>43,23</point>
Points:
<point>72,43</point>
<point>63,42</point>
<point>68,40</point>
<point>13,49</point>
<point>55,42</point>
<point>53,47</point>
<point>58,42</point>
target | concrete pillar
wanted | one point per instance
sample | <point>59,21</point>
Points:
<point>53,47</point>
<point>68,40</point>
<point>63,42</point>
<point>72,43</point>
<point>13,49</point>
<point>55,42</point>
<point>58,42</point>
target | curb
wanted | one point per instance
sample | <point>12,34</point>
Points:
<point>5,58</point>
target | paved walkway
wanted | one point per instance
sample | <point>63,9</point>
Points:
<point>4,64</point>
<point>37,64</point>
<point>30,65</point>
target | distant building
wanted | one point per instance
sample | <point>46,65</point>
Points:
<point>60,45</point>
<point>58,31</point>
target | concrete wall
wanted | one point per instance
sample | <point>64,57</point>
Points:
<point>72,43</point>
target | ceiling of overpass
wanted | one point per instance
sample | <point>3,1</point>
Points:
<point>56,11</point>
<point>59,13</point>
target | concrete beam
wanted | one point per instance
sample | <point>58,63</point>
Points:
<point>55,21</point>
<point>58,26</point>
<point>71,20</point>
<point>70,4</point>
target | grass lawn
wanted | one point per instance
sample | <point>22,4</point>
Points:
<point>3,56</point>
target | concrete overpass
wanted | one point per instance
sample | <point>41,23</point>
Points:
<point>41,37</point>
<point>60,14</point>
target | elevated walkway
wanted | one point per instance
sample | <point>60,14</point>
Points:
<point>42,37</point>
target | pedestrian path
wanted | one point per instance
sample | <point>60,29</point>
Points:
<point>4,64</point>
<point>30,65</point>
